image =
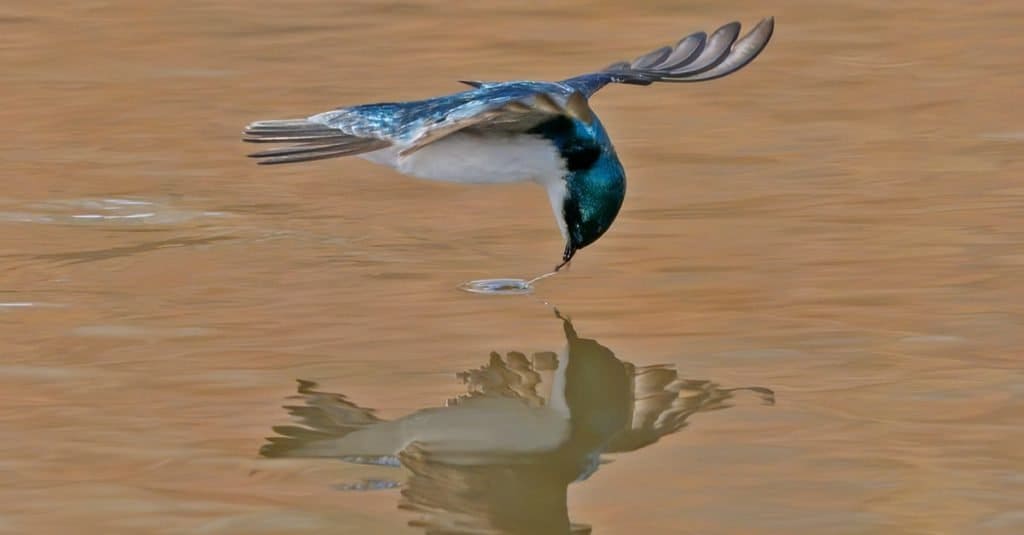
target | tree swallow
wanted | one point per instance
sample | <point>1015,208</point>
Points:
<point>516,131</point>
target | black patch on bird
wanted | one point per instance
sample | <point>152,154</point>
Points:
<point>581,158</point>
<point>571,214</point>
<point>579,152</point>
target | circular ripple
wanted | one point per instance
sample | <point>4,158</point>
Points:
<point>498,286</point>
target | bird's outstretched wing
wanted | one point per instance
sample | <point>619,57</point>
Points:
<point>663,402</point>
<point>308,141</point>
<point>695,58</point>
<point>510,106</point>
<point>323,417</point>
<point>410,126</point>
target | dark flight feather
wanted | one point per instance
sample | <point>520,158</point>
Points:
<point>695,58</point>
<point>313,141</point>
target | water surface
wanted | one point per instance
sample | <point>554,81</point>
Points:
<point>840,223</point>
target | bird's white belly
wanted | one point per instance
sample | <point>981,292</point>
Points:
<point>472,158</point>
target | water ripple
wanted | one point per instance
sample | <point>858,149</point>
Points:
<point>105,211</point>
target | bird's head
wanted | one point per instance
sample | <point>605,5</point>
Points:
<point>594,197</point>
<point>595,182</point>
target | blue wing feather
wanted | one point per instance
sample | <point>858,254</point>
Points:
<point>401,122</point>
<point>591,83</point>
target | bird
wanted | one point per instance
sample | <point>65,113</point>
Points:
<point>513,131</point>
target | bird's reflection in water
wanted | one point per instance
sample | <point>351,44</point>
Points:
<point>500,458</point>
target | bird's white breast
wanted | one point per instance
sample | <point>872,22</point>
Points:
<point>479,158</point>
<point>488,158</point>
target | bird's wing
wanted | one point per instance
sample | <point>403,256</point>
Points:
<point>695,58</point>
<point>511,113</point>
<point>323,419</point>
<point>307,141</point>
<point>663,402</point>
<point>511,106</point>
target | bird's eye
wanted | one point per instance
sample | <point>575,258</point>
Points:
<point>581,158</point>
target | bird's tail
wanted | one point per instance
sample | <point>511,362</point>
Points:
<point>307,141</point>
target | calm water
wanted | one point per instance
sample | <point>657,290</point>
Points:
<point>840,224</point>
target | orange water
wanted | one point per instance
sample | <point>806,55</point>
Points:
<point>841,223</point>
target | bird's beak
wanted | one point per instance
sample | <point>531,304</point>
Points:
<point>570,251</point>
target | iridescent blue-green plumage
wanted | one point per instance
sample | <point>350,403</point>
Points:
<point>514,131</point>
<point>404,121</point>
<point>596,181</point>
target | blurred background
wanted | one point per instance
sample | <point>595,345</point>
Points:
<point>839,222</point>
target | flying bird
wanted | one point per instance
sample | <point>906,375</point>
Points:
<point>515,131</point>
